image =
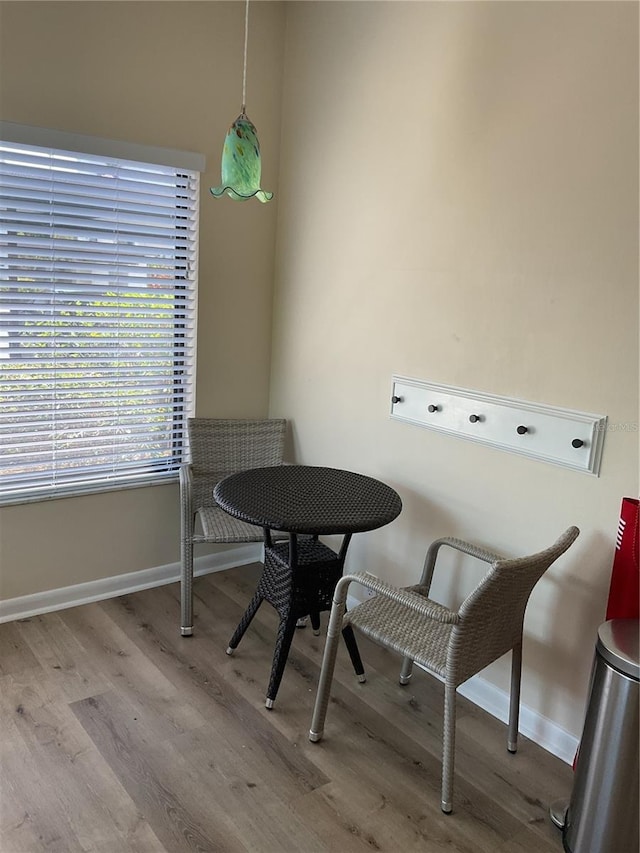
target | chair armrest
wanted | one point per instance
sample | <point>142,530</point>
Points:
<point>186,499</point>
<point>414,601</point>
<point>186,481</point>
<point>470,549</point>
<point>459,545</point>
<point>490,557</point>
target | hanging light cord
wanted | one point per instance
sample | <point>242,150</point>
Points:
<point>244,67</point>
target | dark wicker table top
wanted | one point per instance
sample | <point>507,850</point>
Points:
<point>308,499</point>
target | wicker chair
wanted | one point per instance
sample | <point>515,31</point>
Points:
<point>218,448</point>
<point>451,644</point>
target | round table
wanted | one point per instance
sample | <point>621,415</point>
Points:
<point>299,576</point>
<point>308,499</point>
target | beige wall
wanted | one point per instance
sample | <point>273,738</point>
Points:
<point>166,74</point>
<point>458,203</point>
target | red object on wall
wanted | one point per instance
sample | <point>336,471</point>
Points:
<point>624,591</point>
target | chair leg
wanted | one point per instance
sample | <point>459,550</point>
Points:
<point>514,700</point>
<point>244,623</point>
<point>286,630</point>
<point>406,671</point>
<point>326,671</point>
<point>448,747</point>
<point>186,588</point>
<point>354,653</point>
<point>315,622</point>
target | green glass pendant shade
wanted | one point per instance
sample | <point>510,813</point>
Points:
<point>241,168</point>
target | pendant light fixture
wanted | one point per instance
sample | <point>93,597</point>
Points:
<point>241,169</point>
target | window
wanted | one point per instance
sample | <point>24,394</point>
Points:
<point>98,262</point>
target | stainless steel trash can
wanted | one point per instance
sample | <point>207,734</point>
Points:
<point>602,816</point>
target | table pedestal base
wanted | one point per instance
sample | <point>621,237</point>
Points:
<point>298,579</point>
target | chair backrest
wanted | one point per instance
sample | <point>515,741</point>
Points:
<point>492,616</point>
<point>224,446</point>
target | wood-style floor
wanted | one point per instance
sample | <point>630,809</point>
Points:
<point>120,736</point>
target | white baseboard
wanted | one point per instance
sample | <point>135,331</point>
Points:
<point>532,725</point>
<point>478,690</point>
<point>83,593</point>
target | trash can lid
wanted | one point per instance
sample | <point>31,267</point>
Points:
<point>618,643</point>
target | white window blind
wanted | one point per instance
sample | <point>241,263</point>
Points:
<point>98,263</point>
